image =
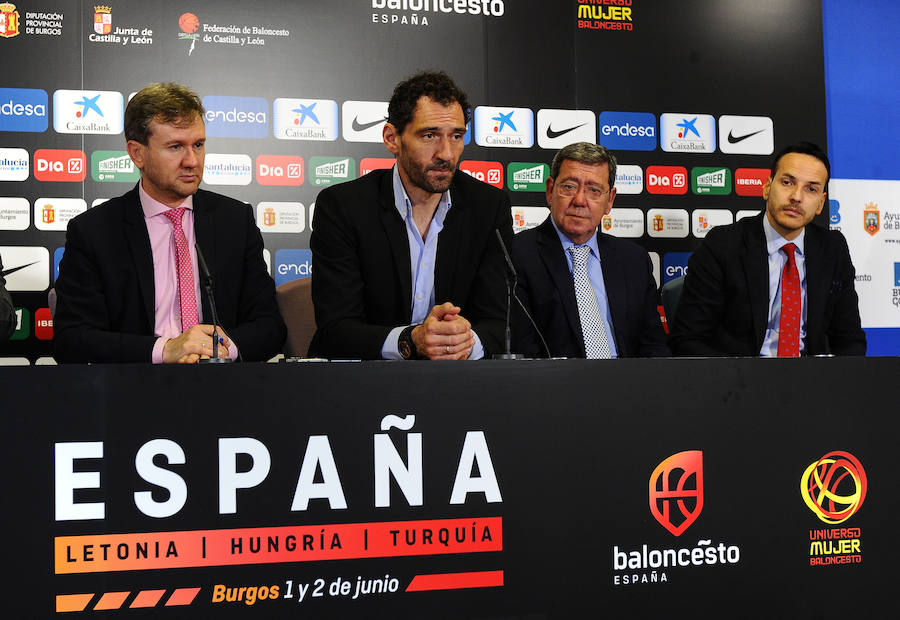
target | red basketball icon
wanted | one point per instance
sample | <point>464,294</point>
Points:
<point>676,491</point>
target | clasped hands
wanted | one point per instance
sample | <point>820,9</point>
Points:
<point>193,345</point>
<point>444,335</point>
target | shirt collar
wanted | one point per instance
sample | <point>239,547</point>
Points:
<point>774,241</point>
<point>152,207</point>
<point>401,199</point>
<point>568,243</point>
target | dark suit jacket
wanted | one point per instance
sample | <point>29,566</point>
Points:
<point>362,286</point>
<point>724,306</point>
<point>105,308</point>
<point>7,310</point>
<point>547,290</point>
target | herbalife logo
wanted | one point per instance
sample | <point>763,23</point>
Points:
<point>527,177</point>
<point>331,170</point>
<point>113,166</point>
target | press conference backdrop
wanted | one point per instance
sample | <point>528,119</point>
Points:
<point>693,97</point>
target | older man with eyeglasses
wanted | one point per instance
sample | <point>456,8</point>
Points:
<point>590,294</point>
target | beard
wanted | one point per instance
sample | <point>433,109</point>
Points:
<point>418,174</point>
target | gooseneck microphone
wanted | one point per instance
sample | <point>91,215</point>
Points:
<point>207,280</point>
<point>511,281</point>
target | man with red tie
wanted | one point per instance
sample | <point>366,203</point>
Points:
<point>773,285</point>
<point>129,286</point>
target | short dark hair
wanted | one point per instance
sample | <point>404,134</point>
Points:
<point>585,153</point>
<point>435,85</point>
<point>804,148</point>
<point>164,103</point>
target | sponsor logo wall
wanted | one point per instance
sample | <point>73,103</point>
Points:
<point>290,111</point>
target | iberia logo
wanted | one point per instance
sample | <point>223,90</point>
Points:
<point>676,491</point>
<point>9,20</point>
<point>871,218</point>
<point>834,487</point>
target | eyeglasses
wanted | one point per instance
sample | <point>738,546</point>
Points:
<point>593,194</point>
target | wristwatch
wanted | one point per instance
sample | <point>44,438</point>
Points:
<point>406,345</point>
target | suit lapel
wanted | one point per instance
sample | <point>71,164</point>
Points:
<point>818,270</point>
<point>756,269</point>
<point>395,230</point>
<point>138,241</point>
<point>205,234</point>
<point>450,240</point>
<point>551,254</point>
<point>614,280</point>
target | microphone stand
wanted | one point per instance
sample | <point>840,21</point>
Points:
<point>510,287</point>
<point>207,279</point>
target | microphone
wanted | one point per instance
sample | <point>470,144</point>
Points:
<point>510,295</point>
<point>207,279</point>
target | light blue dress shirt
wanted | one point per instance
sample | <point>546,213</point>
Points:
<point>595,273</point>
<point>777,260</point>
<point>422,255</point>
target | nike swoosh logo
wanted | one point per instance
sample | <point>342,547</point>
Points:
<point>6,272</point>
<point>357,126</point>
<point>555,134</point>
<point>732,139</point>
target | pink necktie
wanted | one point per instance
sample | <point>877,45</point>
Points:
<point>789,326</point>
<point>186,294</point>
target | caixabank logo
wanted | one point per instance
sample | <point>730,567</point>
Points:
<point>834,488</point>
<point>504,127</point>
<point>306,119</point>
<point>88,111</point>
<point>676,499</point>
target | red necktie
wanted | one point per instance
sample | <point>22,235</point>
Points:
<point>187,295</point>
<point>789,326</point>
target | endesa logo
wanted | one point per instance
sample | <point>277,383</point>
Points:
<point>667,180</point>
<point>627,131</point>
<point>279,170</point>
<point>292,265</point>
<point>675,265</point>
<point>23,109</point>
<point>750,181</point>
<point>676,491</point>
<point>487,171</point>
<point>59,165</point>
<point>834,487</point>
<point>236,117</point>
